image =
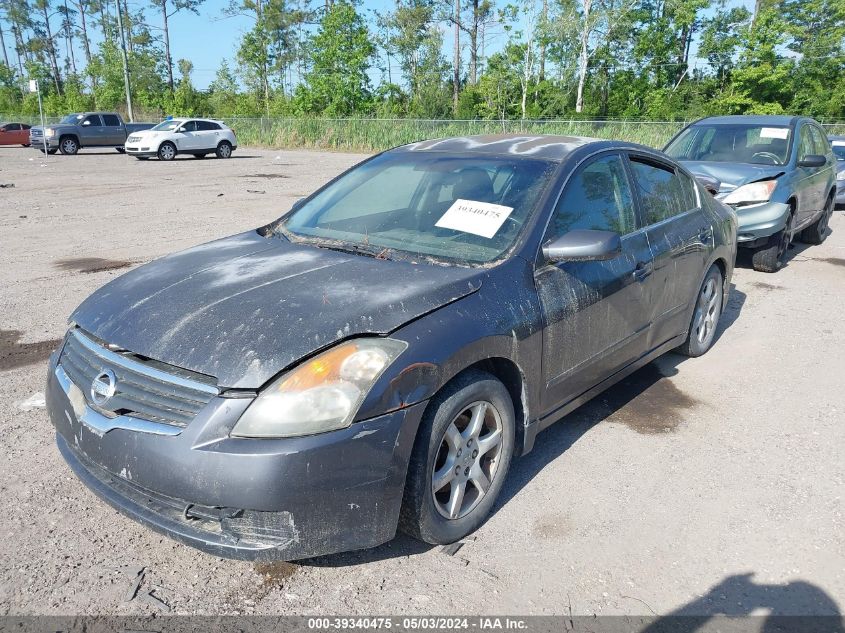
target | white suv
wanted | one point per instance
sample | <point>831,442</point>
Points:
<point>183,136</point>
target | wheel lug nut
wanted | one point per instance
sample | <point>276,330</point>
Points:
<point>469,443</point>
<point>474,454</point>
<point>466,471</point>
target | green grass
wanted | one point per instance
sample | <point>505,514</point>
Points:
<point>366,135</point>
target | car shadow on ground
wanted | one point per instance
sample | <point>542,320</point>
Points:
<point>795,607</point>
<point>645,402</point>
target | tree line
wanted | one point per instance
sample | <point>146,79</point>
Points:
<point>655,59</point>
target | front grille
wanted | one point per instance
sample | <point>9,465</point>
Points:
<point>145,388</point>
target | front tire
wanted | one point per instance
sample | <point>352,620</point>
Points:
<point>167,151</point>
<point>771,257</point>
<point>460,459</point>
<point>817,231</point>
<point>705,315</point>
<point>224,149</point>
<point>120,149</point>
<point>68,146</point>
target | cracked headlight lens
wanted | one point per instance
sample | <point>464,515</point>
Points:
<point>322,394</point>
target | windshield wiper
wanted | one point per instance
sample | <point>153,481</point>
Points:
<point>358,249</point>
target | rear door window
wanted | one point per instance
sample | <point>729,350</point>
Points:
<point>597,197</point>
<point>207,126</point>
<point>111,120</point>
<point>663,192</point>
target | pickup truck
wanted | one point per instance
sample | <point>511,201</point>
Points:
<point>84,129</point>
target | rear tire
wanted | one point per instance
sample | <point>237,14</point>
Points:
<point>224,149</point>
<point>705,315</point>
<point>166,151</point>
<point>460,459</point>
<point>68,146</point>
<point>817,231</point>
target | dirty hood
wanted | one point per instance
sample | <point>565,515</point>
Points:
<point>244,308</point>
<point>733,175</point>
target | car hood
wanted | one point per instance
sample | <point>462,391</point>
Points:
<point>733,175</point>
<point>244,308</point>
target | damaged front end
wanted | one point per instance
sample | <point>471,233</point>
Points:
<point>184,474</point>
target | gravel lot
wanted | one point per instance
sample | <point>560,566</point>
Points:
<point>710,485</point>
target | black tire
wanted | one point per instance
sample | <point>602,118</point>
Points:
<point>771,257</point>
<point>120,149</point>
<point>51,151</point>
<point>817,231</point>
<point>166,151</point>
<point>68,145</point>
<point>224,149</point>
<point>422,506</point>
<point>705,314</point>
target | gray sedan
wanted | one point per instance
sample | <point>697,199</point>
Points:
<point>375,358</point>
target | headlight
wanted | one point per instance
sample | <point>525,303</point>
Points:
<point>49,132</point>
<point>322,394</point>
<point>751,193</point>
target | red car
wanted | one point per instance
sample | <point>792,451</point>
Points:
<point>14,134</point>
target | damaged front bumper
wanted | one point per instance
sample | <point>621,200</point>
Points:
<point>285,499</point>
<point>759,222</point>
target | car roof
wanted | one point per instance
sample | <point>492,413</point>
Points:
<point>749,119</point>
<point>544,146</point>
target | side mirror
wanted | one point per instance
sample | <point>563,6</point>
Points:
<point>583,245</point>
<point>709,183</point>
<point>813,160</point>
<point>86,122</point>
<point>180,129</point>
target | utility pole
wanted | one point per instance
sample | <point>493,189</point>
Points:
<point>126,85</point>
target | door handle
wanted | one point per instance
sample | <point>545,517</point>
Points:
<point>643,270</point>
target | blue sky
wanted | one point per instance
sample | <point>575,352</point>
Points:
<point>208,38</point>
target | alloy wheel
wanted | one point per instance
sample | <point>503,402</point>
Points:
<point>707,312</point>
<point>467,460</point>
<point>167,151</point>
<point>68,146</point>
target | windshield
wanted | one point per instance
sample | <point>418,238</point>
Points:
<point>756,144</point>
<point>71,118</point>
<point>839,150</point>
<point>468,209</point>
<point>167,126</point>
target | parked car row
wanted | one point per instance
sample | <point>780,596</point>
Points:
<point>375,358</point>
<point>165,141</point>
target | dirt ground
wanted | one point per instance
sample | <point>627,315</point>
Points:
<point>710,485</point>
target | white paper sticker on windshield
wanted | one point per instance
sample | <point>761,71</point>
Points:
<point>774,132</point>
<point>478,218</point>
